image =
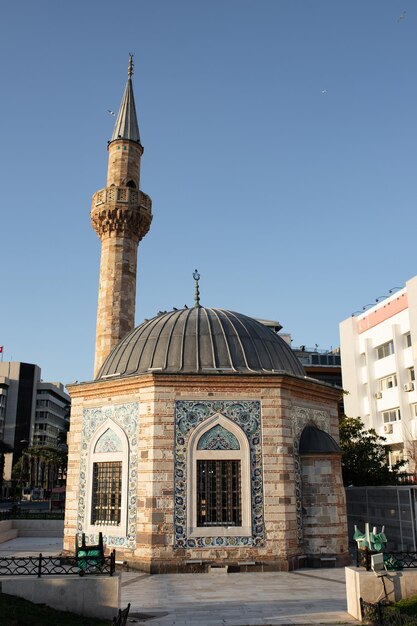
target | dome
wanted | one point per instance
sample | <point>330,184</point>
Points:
<point>313,440</point>
<point>201,340</point>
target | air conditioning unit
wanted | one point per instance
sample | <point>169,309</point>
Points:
<point>409,387</point>
<point>378,395</point>
<point>388,429</point>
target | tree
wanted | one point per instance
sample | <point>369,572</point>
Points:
<point>39,466</point>
<point>365,457</point>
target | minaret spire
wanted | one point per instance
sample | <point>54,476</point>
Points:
<point>121,215</point>
<point>126,126</point>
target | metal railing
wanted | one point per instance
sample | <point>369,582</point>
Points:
<point>58,565</point>
<point>27,514</point>
<point>121,619</point>
<point>384,614</point>
<point>393,560</point>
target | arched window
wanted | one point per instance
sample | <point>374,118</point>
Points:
<point>107,480</point>
<point>131,184</point>
<point>218,486</point>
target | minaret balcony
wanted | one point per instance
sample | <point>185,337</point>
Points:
<point>124,196</point>
<point>121,210</point>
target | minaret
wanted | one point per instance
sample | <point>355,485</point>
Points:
<point>121,215</point>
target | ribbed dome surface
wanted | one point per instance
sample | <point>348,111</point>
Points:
<point>200,341</point>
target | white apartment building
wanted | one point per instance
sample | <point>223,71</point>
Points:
<point>379,356</point>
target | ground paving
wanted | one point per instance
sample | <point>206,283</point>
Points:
<point>303,597</point>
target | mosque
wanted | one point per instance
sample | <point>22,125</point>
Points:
<point>200,442</point>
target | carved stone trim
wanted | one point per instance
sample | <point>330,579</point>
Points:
<point>130,220</point>
<point>301,416</point>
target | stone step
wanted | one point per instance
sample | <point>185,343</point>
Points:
<point>218,570</point>
<point>37,532</point>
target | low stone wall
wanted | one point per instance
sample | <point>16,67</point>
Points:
<point>10,529</point>
<point>7,532</point>
<point>366,585</point>
<point>92,596</point>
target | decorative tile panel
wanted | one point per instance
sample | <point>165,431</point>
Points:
<point>125,416</point>
<point>300,417</point>
<point>218,438</point>
<point>108,442</point>
<point>247,415</point>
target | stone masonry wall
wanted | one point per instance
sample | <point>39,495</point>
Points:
<point>155,524</point>
<point>124,163</point>
<point>325,527</point>
<point>117,293</point>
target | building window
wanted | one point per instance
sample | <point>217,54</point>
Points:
<point>107,493</point>
<point>411,374</point>
<point>218,480</point>
<point>218,493</point>
<point>385,349</point>
<point>407,340</point>
<point>388,382</point>
<point>391,416</point>
<point>107,486</point>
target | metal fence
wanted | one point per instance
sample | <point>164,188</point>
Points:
<point>394,561</point>
<point>383,614</point>
<point>58,565</point>
<point>24,514</point>
<point>392,507</point>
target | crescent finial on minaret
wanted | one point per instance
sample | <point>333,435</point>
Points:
<point>130,67</point>
<point>196,277</point>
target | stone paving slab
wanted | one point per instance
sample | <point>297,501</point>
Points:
<point>259,599</point>
<point>32,546</point>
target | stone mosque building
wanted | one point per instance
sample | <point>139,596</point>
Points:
<point>200,442</point>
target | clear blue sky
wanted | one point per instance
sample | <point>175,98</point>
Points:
<point>294,204</point>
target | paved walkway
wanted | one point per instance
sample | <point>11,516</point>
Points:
<point>31,546</point>
<point>303,597</point>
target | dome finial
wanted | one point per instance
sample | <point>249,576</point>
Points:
<point>130,66</point>
<point>196,277</point>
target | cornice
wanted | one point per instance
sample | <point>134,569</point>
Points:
<point>284,382</point>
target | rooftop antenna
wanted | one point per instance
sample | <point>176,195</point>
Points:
<point>196,277</point>
<point>130,66</point>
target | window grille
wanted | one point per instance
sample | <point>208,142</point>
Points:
<point>218,496</point>
<point>107,493</point>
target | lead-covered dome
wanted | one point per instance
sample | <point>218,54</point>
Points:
<point>201,341</point>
